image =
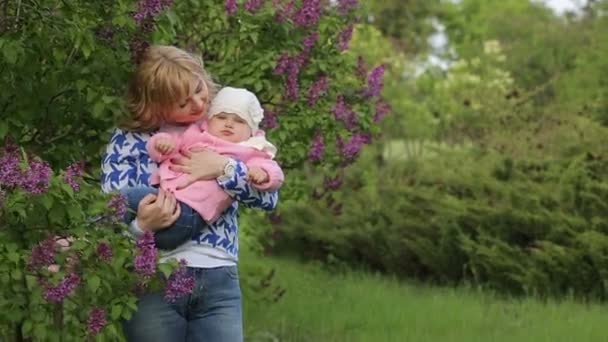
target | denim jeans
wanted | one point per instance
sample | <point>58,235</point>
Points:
<point>187,225</point>
<point>212,313</point>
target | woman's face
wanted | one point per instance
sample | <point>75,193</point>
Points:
<point>191,108</point>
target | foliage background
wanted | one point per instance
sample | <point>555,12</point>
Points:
<point>490,172</point>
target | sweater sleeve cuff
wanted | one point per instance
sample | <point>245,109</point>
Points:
<point>135,230</point>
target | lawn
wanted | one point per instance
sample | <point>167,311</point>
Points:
<point>354,306</point>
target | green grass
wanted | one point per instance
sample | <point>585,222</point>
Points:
<point>319,306</point>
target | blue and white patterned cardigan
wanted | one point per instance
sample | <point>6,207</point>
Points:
<point>126,163</point>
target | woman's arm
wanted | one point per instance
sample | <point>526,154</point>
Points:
<point>203,164</point>
<point>119,169</point>
<point>120,161</point>
<point>237,186</point>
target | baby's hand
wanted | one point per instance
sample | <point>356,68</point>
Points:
<point>257,176</point>
<point>164,146</point>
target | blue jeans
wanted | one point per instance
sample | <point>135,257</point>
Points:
<point>188,224</point>
<point>212,313</point>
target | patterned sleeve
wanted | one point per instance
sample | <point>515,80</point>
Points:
<point>125,161</point>
<point>238,188</point>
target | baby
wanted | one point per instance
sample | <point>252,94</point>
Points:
<point>231,129</point>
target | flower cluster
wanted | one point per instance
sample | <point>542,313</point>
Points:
<point>382,109</point>
<point>317,148</point>
<point>343,112</point>
<point>344,6</point>
<point>318,88</point>
<point>231,7</point>
<point>374,82</point>
<point>308,15</point>
<point>118,206</point>
<point>284,10</point>
<point>180,283</point>
<point>144,17</point>
<point>290,66</point>
<point>43,254</point>
<point>73,173</point>
<point>332,183</point>
<point>270,120</point>
<point>97,320</point>
<point>149,9</point>
<point>104,251</point>
<point>344,38</point>
<point>33,178</point>
<point>56,294</point>
<point>350,150</point>
<point>252,6</point>
<point>145,261</point>
<point>309,42</point>
<point>361,68</point>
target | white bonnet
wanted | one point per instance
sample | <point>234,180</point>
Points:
<point>238,101</point>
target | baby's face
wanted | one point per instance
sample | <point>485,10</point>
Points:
<point>229,127</point>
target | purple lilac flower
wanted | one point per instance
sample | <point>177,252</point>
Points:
<point>382,109</point>
<point>282,64</point>
<point>97,320</point>
<point>374,82</point>
<point>343,112</point>
<point>118,206</point>
<point>308,15</point>
<point>72,173</point>
<point>284,11</point>
<point>292,87</point>
<point>361,68</point>
<point>332,183</point>
<point>10,171</point>
<point>36,178</point>
<point>309,41</point>
<point>317,89</point>
<point>56,294</point>
<point>290,66</point>
<point>351,149</point>
<point>270,120</point>
<point>253,6</point>
<point>145,261</point>
<point>344,6</point>
<point>317,148</point>
<point>104,251</point>
<point>180,283</point>
<point>149,9</point>
<point>43,254</point>
<point>344,38</point>
<point>137,46</point>
<point>231,7</point>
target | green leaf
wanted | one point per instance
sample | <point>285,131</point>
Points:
<point>116,311</point>
<point>166,269</point>
<point>26,328</point>
<point>93,283</point>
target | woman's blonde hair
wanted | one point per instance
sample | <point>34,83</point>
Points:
<point>161,80</point>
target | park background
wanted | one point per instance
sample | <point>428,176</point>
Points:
<point>445,165</point>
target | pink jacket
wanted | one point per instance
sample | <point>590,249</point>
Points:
<point>206,197</point>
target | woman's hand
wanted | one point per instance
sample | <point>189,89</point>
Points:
<point>156,212</point>
<point>200,164</point>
